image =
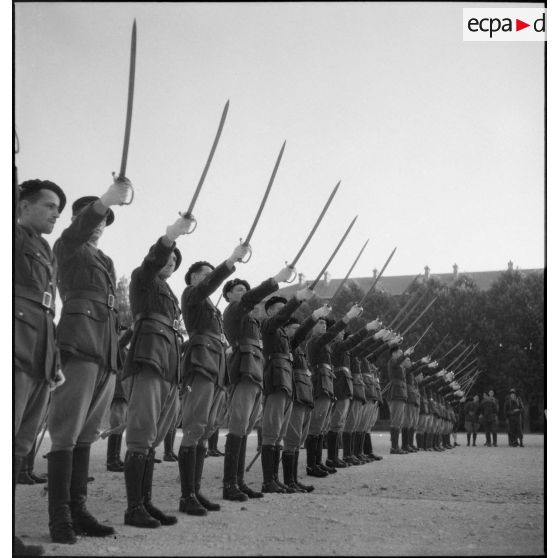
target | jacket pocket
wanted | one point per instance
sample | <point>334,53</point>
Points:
<point>154,344</point>
<point>25,338</point>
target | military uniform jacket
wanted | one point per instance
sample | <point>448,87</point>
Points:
<point>318,351</point>
<point>278,371</point>
<point>359,393</point>
<point>424,404</point>
<point>243,333</point>
<point>341,361</point>
<point>156,339</point>
<point>471,411</point>
<point>88,326</point>
<point>205,353</point>
<point>413,396</point>
<point>488,408</point>
<point>396,374</point>
<point>34,267</point>
<point>303,388</point>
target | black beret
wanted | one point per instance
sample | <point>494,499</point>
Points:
<point>512,390</point>
<point>292,320</point>
<point>230,285</point>
<point>30,187</point>
<point>274,300</point>
<point>195,267</point>
<point>84,201</point>
<point>394,348</point>
<point>178,258</point>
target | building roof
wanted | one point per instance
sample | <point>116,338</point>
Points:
<point>396,285</point>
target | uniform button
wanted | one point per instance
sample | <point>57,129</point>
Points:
<point>20,313</point>
<point>89,311</point>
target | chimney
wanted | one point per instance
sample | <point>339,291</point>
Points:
<point>455,272</point>
<point>327,277</point>
<point>426,273</point>
<point>301,278</point>
<point>510,266</point>
<point>375,273</point>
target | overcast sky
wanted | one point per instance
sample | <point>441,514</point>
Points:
<point>438,143</point>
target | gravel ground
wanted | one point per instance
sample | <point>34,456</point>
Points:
<point>465,501</point>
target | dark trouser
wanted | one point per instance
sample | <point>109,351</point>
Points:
<point>515,429</point>
<point>152,408</point>
<point>491,427</point>
<point>297,428</point>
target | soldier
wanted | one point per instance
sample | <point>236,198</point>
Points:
<point>513,407</point>
<point>319,358</point>
<point>303,403</point>
<point>38,206</point>
<point>204,371</point>
<point>277,385</point>
<point>245,366</point>
<point>471,419</point>
<point>397,366</point>
<point>88,342</point>
<point>151,373</point>
<point>373,395</point>
<point>488,412</point>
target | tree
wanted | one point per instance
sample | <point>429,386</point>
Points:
<point>123,302</point>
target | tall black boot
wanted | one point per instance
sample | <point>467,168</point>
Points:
<point>319,450</point>
<point>212,449</point>
<point>347,449</point>
<point>268,469</point>
<point>372,454</point>
<point>200,458</point>
<point>468,438</point>
<point>231,490</point>
<point>412,447</point>
<point>276,461</point>
<point>242,486</point>
<point>113,454</point>
<point>59,516</point>
<point>394,432</point>
<point>84,523</point>
<point>311,468</point>
<point>354,449</point>
<point>187,466</point>
<point>474,438</point>
<point>359,448</point>
<point>495,439</point>
<point>260,437</point>
<point>405,439</point>
<point>134,474</point>
<point>287,460</point>
<point>169,454</point>
<point>118,450</point>
<point>147,487</point>
<point>305,487</point>
<point>333,451</point>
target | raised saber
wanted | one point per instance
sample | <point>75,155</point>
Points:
<point>404,318</point>
<point>421,337</point>
<point>315,282</point>
<point>340,287</point>
<point>412,299</point>
<point>128,126</point>
<point>188,214</point>
<point>438,345</point>
<point>420,315</point>
<point>377,278</point>
<point>262,204</point>
<point>309,237</point>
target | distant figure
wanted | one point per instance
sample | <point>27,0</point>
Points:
<point>513,409</point>
<point>471,419</point>
<point>488,411</point>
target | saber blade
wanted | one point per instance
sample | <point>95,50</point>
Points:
<point>313,285</point>
<point>348,274</point>
<point>378,277</point>
<point>268,189</point>
<point>331,196</point>
<point>208,162</point>
<point>131,80</point>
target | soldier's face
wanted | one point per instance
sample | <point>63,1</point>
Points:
<point>168,270</point>
<point>42,214</point>
<point>274,308</point>
<point>491,393</point>
<point>98,231</point>
<point>319,328</point>
<point>476,399</point>
<point>200,275</point>
<point>236,293</point>
<point>290,330</point>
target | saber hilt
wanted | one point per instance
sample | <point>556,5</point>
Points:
<point>247,244</point>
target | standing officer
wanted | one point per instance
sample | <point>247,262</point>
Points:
<point>488,412</point>
<point>204,370</point>
<point>278,384</point>
<point>38,206</point>
<point>397,365</point>
<point>88,343</point>
<point>245,367</point>
<point>151,373</point>
<point>471,419</point>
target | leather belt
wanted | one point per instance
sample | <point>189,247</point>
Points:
<point>95,296</point>
<point>217,336</point>
<point>342,369</point>
<point>324,365</point>
<point>284,356</point>
<point>246,341</point>
<point>45,299</point>
<point>161,318</point>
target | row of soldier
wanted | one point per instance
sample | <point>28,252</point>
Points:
<point>312,379</point>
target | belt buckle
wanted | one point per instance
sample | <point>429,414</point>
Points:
<point>47,300</point>
<point>110,301</point>
<point>260,343</point>
<point>175,325</point>
<point>223,339</point>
